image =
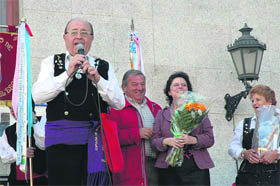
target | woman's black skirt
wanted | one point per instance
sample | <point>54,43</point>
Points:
<point>258,174</point>
<point>187,174</point>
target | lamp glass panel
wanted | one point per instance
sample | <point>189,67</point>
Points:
<point>249,55</point>
<point>236,55</point>
<point>260,53</point>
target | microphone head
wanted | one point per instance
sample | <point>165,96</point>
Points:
<point>80,48</point>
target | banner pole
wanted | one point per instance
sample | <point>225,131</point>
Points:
<point>30,163</point>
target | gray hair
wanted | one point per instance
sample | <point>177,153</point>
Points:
<point>79,19</point>
<point>131,73</point>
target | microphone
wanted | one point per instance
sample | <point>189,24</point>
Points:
<point>80,48</point>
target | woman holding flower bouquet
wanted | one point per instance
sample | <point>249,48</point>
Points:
<point>182,134</point>
<point>257,167</point>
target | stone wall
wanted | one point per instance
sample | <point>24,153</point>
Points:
<point>187,35</point>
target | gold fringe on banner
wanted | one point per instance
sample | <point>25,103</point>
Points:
<point>5,26</point>
<point>7,103</point>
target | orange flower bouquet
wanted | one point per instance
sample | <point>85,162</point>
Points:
<point>188,115</point>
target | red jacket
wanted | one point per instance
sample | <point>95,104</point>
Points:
<point>131,144</point>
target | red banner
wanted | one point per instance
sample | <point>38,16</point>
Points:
<point>8,50</point>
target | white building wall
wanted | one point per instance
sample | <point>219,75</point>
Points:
<point>185,35</point>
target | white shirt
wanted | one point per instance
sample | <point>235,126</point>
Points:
<point>48,86</point>
<point>235,147</point>
<point>148,122</point>
<point>9,155</point>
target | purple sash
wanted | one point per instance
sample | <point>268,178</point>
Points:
<point>78,133</point>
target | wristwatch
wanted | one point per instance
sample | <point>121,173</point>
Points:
<point>243,153</point>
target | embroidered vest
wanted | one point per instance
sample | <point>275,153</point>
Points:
<point>247,134</point>
<point>59,108</point>
<point>259,170</point>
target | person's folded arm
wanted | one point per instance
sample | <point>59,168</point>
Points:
<point>127,136</point>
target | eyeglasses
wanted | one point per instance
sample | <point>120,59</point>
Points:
<point>83,33</point>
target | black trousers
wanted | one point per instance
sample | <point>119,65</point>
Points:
<point>188,174</point>
<point>67,164</point>
<point>36,181</point>
<point>152,172</point>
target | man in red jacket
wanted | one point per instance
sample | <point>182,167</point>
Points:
<point>135,124</point>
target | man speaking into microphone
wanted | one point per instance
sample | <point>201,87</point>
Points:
<point>76,87</point>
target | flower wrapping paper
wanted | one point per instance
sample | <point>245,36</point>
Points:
<point>266,134</point>
<point>187,116</point>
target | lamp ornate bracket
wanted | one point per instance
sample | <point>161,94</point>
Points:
<point>233,101</point>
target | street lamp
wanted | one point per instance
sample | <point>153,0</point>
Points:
<point>246,54</point>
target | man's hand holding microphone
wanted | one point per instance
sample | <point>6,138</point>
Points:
<point>80,61</point>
